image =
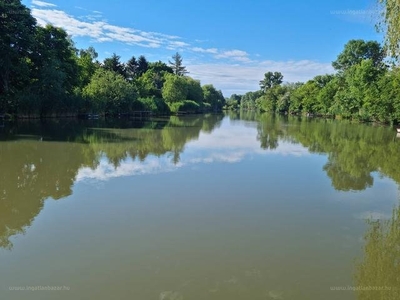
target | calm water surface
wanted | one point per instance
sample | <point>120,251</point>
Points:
<point>201,207</point>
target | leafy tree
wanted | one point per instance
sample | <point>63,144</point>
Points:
<point>150,84</point>
<point>274,96</point>
<point>270,80</point>
<point>248,100</point>
<point>390,94</point>
<point>55,70</point>
<point>390,25</point>
<point>195,92</point>
<point>175,88</point>
<point>87,65</point>
<point>356,51</point>
<point>176,65</point>
<point>326,96</point>
<point>212,97</point>
<point>16,43</point>
<point>114,64</point>
<point>160,67</point>
<point>109,92</point>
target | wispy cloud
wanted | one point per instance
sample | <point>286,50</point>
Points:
<point>237,55</point>
<point>100,31</point>
<point>228,144</point>
<point>232,71</point>
<point>203,50</point>
<point>43,4</point>
<point>240,79</point>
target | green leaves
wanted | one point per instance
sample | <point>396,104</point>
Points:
<point>175,88</point>
<point>109,92</point>
<point>270,80</point>
<point>390,25</point>
<point>355,51</point>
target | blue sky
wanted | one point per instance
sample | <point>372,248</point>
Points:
<point>230,44</point>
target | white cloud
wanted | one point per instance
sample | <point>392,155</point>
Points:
<point>43,4</point>
<point>106,171</point>
<point>231,78</point>
<point>227,144</point>
<point>240,79</point>
<point>237,55</point>
<point>203,50</point>
<point>178,44</point>
<point>101,31</point>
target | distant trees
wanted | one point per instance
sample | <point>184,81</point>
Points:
<point>363,89</point>
<point>213,98</point>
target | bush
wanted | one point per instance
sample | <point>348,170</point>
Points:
<point>184,106</point>
<point>155,105</point>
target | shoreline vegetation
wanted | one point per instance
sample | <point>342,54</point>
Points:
<point>43,75</point>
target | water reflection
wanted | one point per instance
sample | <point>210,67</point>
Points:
<point>377,274</point>
<point>42,160</point>
<point>235,208</point>
<point>354,151</point>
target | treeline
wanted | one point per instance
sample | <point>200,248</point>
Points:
<point>364,88</point>
<point>43,74</point>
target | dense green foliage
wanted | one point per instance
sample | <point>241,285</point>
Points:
<point>390,25</point>
<point>43,74</point>
<point>364,88</point>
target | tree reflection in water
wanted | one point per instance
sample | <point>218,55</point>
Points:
<point>377,276</point>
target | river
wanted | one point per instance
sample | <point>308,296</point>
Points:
<point>236,206</point>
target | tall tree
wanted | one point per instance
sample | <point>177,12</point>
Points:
<point>176,65</point>
<point>55,71</point>
<point>87,65</point>
<point>357,50</point>
<point>16,42</point>
<point>131,68</point>
<point>143,65</point>
<point>270,80</point>
<point>113,63</point>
